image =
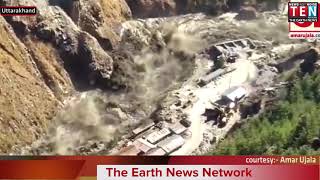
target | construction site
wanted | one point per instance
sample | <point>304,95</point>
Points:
<point>208,106</point>
<point>167,137</point>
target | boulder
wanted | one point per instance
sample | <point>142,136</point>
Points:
<point>152,8</point>
<point>247,13</point>
<point>100,64</point>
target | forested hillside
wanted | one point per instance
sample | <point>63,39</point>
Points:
<point>291,127</point>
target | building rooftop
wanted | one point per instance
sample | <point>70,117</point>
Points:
<point>142,128</point>
<point>156,152</point>
<point>143,145</point>
<point>172,143</point>
<point>177,128</point>
<point>241,43</point>
<point>156,136</point>
<point>235,93</point>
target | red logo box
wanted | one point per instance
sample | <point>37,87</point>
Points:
<point>303,17</point>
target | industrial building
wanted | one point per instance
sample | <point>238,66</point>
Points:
<point>240,43</point>
<point>172,143</point>
<point>177,128</point>
<point>142,128</point>
<point>223,48</point>
<point>235,94</point>
<point>157,136</point>
<point>213,76</point>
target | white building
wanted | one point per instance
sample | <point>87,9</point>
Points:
<point>156,136</point>
<point>235,94</point>
<point>142,128</point>
<point>172,143</point>
<point>177,128</point>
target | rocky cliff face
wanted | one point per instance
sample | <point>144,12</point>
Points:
<point>99,18</point>
<point>82,47</point>
<point>45,58</point>
<point>152,8</point>
<point>26,102</point>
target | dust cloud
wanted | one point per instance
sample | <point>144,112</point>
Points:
<point>269,28</point>
<point>102,116</point>
<point>167,68</point>
<point>82,120</point>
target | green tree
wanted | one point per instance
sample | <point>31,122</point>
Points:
<point>288,128</point>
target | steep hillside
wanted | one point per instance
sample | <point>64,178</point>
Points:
<point>48,57</point>
<point>26,103</point>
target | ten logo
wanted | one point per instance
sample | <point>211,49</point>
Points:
<point>304,19</point>
<point>303,12</point>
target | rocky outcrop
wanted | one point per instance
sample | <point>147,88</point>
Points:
<point>84,54</point>
<point>97,17</point>
<point>214,7</point>
<point>84,59</point>
<point>100,18</point>
<point>153,8</point>
<point>50,66</point>
<point>247,13</point>
<point>268,5</point>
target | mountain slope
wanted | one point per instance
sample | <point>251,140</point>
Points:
<point>26,103</point>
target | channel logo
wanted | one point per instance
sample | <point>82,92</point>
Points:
<point>18,10</point>
<point>303,18</point>
<point>303,12</point>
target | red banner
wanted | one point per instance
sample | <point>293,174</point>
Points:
<point>74,167</point>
